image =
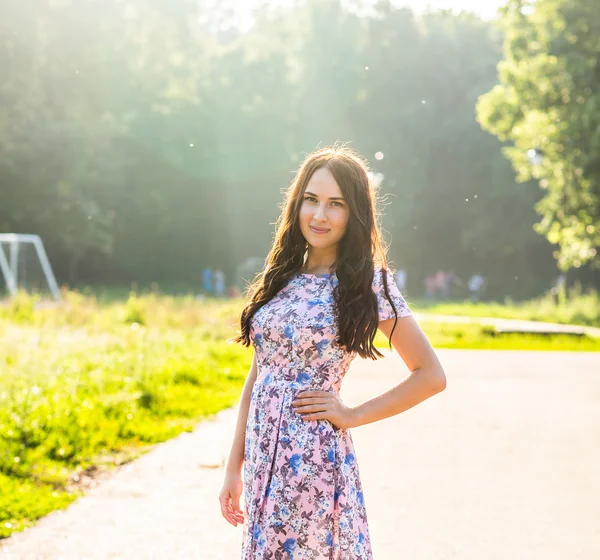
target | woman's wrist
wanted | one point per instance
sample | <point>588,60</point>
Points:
<point>354,417</point>
<point>234,467</point>
<point>233,472</point>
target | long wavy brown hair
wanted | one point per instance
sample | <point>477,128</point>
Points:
<point>360,250</point>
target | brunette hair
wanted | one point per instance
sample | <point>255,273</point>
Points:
<point>361,249</point>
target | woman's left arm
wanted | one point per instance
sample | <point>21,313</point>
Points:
<point>427,376</point>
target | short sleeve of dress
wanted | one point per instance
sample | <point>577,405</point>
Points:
<point>384,307</point>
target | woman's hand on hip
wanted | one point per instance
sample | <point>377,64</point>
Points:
<point>323,405</point>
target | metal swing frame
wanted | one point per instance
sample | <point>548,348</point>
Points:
<point>9,267</point>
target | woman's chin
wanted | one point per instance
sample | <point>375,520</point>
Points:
<point>321,243</point>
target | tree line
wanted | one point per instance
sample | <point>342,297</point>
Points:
<point>146,140</point>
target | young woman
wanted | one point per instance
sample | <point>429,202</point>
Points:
<point>318,303</point>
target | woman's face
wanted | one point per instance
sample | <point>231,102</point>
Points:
<point>323,209</point>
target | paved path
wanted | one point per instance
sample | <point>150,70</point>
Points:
<point>503,465</point>
<point>510,324</point>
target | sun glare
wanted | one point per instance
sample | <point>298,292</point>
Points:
<point>243,19</point>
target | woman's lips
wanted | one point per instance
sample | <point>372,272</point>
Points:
<point>318,231</point>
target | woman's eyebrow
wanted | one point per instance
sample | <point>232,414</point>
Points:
<point>330,198</point>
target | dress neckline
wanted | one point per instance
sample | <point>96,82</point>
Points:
<point>312,275</point>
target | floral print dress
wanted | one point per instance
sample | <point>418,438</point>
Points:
<point>302,490</point>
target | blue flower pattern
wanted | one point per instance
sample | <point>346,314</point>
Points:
<point>303,494</point>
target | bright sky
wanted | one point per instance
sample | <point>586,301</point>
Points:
<point>485,8</point>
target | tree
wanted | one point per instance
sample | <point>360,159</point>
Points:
<point>549,99</point>
<point>146,139</point>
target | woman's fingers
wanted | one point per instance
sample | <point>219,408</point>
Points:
<point>312,405</point>
<point>238,513</point>
<point>231,515</point>
<point>312,408</point>
<point>315,416</point>
<point>237,516</point>
<point>314,400</point>
<point>235,503</point>
<point>226,510</point>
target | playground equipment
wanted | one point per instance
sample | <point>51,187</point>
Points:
<point>27,266</point>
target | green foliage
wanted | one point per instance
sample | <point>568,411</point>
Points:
<point>548,99</point>
<point>23,502</point>
<point>577,308</point>
<point>167,129</point>
<point>73,392</point>
<point>20,307</point>
<point>473,336</point>
<point>135,311</point>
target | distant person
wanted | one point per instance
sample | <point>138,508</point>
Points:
<point>207,281</point>
<point>292,451</point>
<point>475,285</point>
<point>219,283</point>
<point>430,286</point>
<point>440,283</point>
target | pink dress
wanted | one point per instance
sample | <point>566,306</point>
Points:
<point>302,489</point>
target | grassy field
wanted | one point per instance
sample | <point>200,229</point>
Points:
<point>87,386</point>
<point>577,309</point>
<point>477,337</point>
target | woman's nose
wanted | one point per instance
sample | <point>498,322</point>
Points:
<point>320,213</point>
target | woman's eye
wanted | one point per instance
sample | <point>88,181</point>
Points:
<point>313,199</point>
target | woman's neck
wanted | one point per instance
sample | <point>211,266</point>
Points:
<point>317,267</point>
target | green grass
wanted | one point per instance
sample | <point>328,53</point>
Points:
<point>85,385</point>
<point>93,383</point>
<point>476,337</point>
<point>577,309</point>
<point>24,500</point>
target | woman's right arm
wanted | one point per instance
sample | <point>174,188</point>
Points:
<point>231,492</point>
